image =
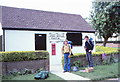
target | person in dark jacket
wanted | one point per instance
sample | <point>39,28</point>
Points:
<point>89,47</point>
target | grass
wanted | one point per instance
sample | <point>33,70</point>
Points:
<point>102,72</point>
<point>30,77</point>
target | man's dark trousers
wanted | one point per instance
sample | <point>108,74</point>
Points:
<point>89,58</point>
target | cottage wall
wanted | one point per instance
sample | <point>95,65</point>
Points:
<point>20,40</point>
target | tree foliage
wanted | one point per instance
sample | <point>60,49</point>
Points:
<point>105,19</point>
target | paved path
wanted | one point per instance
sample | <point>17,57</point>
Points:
<point>114,79</point>
<point>57,70</point>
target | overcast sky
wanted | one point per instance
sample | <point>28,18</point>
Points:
<point>81,7</point>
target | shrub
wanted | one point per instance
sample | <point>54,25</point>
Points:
<point>77,63</point>
<point>110,52</point>
<point>23,55</point>
<point>109,59</point>
<point>16,72</point>
<point>100,50</point>
<point>39,70</point>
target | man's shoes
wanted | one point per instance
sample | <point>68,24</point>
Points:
<point>64,71</point>
<point>91,68</point>
<point>69,71</point>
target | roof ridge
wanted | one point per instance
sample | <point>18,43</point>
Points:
<point>42,10</point>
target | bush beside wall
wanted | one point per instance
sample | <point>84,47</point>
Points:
<point>23,55</point>
<point>100,50</point>
<point>111,53</point>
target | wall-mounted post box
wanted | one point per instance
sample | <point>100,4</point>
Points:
<point>53,49</point>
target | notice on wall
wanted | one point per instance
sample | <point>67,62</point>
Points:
<point>56,37</point>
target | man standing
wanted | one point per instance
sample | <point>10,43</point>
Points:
<point>66,51</point>
<point>89,47</point>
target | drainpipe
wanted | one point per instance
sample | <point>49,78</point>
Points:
<point>3,41</point>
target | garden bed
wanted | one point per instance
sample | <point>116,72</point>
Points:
<point>18,66</point>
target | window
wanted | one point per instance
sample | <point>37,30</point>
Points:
<point>40,41</point>
<point>76,38</point>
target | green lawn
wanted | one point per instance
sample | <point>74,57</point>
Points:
<point>30,77</point>
<point>102,72</point>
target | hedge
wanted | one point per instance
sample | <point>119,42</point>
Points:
<point>34,55</point>
<point>23,55</point>
<point>100,50</point>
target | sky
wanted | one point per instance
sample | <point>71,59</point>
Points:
<point>80,7</point>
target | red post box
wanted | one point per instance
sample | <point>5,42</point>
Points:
<point>53,49</point>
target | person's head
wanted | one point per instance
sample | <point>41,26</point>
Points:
<point>86,38</point>
<point>66,42</point>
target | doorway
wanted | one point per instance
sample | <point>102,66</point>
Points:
<point>40,42</point>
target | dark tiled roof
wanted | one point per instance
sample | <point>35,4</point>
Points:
<point>19,18</point>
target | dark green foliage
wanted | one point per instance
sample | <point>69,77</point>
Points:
<point>23,55</point>
<point>38,70</point>
<point>24,71</point>
<point>105,19</point>
<point>77,63</point>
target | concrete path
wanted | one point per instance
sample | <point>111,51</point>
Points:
<point>58,70</point>
<point>114,79</point>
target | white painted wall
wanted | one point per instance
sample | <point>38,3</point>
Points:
<point>18,40</point>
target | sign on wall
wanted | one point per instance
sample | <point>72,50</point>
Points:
<point>56,37</point>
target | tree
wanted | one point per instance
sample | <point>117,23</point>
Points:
<point>105,18</point>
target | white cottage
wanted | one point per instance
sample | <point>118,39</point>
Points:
<point>30,30</point>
